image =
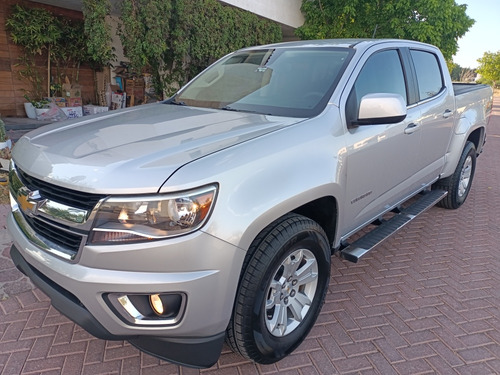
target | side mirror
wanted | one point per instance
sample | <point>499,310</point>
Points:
<point>381,108</point>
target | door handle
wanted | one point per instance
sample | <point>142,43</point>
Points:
<point>411,128</point>
<point>447,113</point>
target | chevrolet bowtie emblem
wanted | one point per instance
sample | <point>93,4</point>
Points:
<point>30,201</point>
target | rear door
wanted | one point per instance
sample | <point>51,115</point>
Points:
<point>437,104</point>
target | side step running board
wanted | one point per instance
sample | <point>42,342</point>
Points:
<point>361,246</point>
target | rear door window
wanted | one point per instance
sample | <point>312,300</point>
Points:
<point>429,77</point>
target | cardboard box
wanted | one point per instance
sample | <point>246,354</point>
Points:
<point>58,100</point>
<point>118,100</point>
<point>93,109</point>
<point>74,102</point>
<point>135,89</point>
<point>73,112</point>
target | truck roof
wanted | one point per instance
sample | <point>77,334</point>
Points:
<point>343,43</point>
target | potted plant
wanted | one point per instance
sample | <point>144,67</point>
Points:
<point>35,108</point>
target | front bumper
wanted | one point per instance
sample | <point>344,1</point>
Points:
<point>79,291</point>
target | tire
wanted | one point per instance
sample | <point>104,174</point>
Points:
<point>459,183</point>
<point>276,305</point>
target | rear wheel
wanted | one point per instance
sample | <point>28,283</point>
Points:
<point>459,183</point>
<point>281,290</point>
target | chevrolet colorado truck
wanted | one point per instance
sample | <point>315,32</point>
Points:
<point>213,216</point>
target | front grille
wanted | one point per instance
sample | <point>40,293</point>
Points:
<point>48,229</point>
<point>65,239</point>
<point>73,198</point>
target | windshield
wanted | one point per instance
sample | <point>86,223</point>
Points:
<point>295,82</point>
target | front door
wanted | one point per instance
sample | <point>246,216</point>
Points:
<point>381,159</point>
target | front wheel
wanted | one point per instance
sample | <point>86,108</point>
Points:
<point>459,183</point>
<point>281,290</point>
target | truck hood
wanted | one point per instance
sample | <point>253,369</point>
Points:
<point>134,150</point>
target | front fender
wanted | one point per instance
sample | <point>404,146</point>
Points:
<point>265,178</point>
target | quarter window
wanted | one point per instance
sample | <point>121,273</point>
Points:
<point>429,77</point>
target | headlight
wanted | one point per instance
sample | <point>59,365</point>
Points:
<point>155,217</point>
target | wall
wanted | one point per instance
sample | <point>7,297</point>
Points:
<point>286,12</point>
<point>11,94</point>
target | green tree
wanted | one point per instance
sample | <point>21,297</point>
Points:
<point>490,67</point>
<point>459,74</point>
<point>37,31</point>
<point>176,39</point>
<point>98,31</point>
<point>438,22</point>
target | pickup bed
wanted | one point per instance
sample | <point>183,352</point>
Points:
<point>213,215</point>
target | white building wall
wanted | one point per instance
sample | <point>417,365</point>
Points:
<point>286,12</point>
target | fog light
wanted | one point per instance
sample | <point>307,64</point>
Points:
<point>156,304</point>
<point>148,309</point>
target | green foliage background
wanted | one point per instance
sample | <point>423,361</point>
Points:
<point>176,39</point>
<point>489,68</point>
<point>39,32</point>
<point>97,31</point>
<point>438,22</point>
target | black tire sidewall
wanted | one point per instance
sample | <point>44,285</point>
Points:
<point>451,183</point>
<point>469,150</point>
<point>272,348</point>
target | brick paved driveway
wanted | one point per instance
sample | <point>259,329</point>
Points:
<point>427,301</point>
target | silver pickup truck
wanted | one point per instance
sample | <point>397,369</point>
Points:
<point>213,215</point>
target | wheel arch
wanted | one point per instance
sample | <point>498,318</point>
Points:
<point>477,137</point>
<point>323,211</point>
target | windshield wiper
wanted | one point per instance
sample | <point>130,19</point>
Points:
<point>228,108</point>
<point>173,101</point>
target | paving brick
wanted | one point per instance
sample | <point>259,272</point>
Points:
<point>15,362</point>
<point>382,365</point>
<point>41,347</point>
<point>440,366</point>
<point>475,369</point>
<point>95,352</point>
<point>445,353</point>
<point>72,365</point>
<point>338,333</point>
<point>64,333</point>
<point>474,355</point>
<point>419,366</point>
<point>420,337</point>
<point>331,348</point>
<point>359,349</point>
<point>494,365</point>
<point>417,352</point>
<point>477,326</point>
<point>389,351</point>
<point>112,367</point>
<point>423,324</point>
<point>477,339</point>
<point>353,365</point>
<point>67,349</point>
<point>308,370</point>
<point>39,365</point>
<point>322,363</point>
<point>308,345</point>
